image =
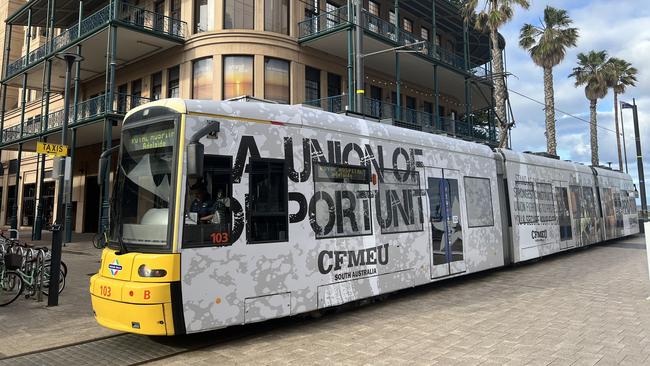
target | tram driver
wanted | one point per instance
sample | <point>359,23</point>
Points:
<point>202,204</point>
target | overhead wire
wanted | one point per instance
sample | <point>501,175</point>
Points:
<point>559,110</point>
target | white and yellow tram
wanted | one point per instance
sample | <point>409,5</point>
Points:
<point>228,213</point>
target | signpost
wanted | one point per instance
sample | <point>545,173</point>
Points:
<point>51,149</point>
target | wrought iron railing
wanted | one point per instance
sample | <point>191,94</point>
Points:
<point>322,23</point>
<point>473,128</point>
<point>150,20</point>
<point>87,110</point>
<point>126,13</point>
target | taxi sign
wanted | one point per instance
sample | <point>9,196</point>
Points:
<point>51,149</point>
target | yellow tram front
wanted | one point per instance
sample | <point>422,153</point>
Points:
<point>137,288</point>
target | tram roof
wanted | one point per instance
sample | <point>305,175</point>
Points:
<point>329,123</point>
<point>603,172</point>
<point>531,159</point>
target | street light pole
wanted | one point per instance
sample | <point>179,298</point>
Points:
<point>639,160</point>
<point>624,146</point>
<point>57,234</point>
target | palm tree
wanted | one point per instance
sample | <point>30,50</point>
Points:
<point>547,46</point>
<point>594,73</point>
<point>623,75</point>
<point>491,17</point>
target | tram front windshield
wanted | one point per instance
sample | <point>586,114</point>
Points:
<point>141,200</point>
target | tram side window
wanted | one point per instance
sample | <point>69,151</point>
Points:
<point>268,218</point>
<point>208,216</point>
<point>545,202</point>
<point>479,202</point>
<point>564,217</point>
<point>576,202</point>
<point>342,201</point>
<point>399,201</point>
<point>589,205</point>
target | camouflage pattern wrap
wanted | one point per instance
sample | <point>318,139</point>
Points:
<point>555,204</point>
<point>245,282</point>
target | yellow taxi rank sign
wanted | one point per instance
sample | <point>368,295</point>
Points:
<point>51,149</point>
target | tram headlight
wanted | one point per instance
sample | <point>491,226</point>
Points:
<point>145,271</point>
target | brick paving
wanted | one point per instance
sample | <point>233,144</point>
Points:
<point>27,325</point>
<point>586,307</point>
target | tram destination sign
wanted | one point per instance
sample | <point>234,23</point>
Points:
<point>51,149</point>
<point>341,173</point>
<point>152,140</point>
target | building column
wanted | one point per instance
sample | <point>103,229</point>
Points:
<point>297,79</point>
<point>258,82</point>
<point>259,15</point>
<point>108,125</point>
<point>398,86</point>
<point>350,67</point>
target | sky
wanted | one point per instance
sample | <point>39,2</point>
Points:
<point>618,26</point>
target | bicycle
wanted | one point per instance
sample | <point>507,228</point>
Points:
<point>100,240</point>
<point>23,267</point>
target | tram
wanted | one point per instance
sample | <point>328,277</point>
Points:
<point>227,213</point>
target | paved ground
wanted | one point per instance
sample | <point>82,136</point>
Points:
<point>581,308</point>
<point>26,325</point>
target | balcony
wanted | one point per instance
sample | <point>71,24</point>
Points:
<point>122,13</point>
<point>88,111</point>
<point>477,128</point>
<point>322,24</point>
<point>339,19</point>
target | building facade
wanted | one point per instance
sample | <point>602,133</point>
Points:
<point>422,68</point>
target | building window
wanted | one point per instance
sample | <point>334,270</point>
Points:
<point>392,19</point>
<point>332,18</point>
<point>237,76</point>
<point>11,200</point>
<point>208,219</point>
<point>173,89</point>
<point>342,202</point>
<point>156,86</point>
<point>203,16</point>
<point>29,204</point>
<point>407,25</point>
<point>276,80</point>
<point>373,8</point>
<point>268,215</point>
<point>276,16</point>
<point>202,78</point>
<point>312,84</point>
<point>122,95</point>
<point>13,166</point>
<point>239,14</point>
<point>175,14</point>
<point>136,93</point>
<point>478,196</point>
<point>424,34</point>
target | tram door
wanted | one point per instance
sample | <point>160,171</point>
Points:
<point>445,223</point>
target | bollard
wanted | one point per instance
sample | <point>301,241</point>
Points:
<point>40,262</point>
<point>647,245</point>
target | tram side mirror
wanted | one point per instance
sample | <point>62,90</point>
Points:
<point>103,170</point>
<point>195,160</point>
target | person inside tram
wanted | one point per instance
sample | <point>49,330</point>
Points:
<point>202,203</point>
<point>220,210</point>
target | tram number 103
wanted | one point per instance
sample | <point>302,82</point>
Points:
<point>105,291</point>
<point>220,238</point>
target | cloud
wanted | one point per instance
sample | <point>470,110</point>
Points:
<point>620,27</point>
